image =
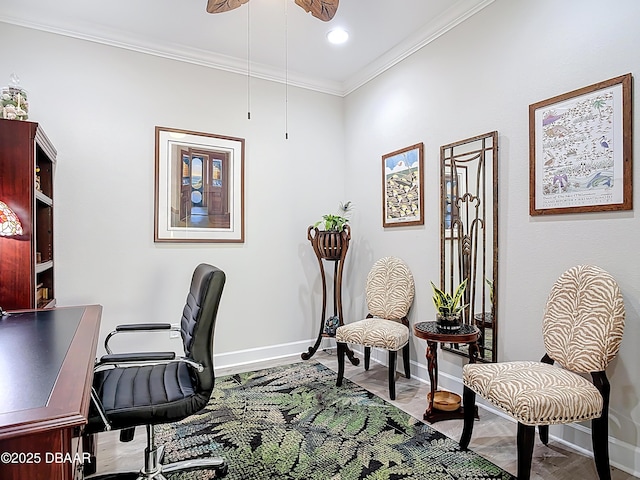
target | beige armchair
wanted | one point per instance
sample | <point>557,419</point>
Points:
<point>582,329</point>
<point>389,294</point>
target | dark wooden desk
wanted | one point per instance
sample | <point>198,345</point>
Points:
<point>46,371</point>
<point>433,335</point>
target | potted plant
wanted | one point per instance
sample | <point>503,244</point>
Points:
<point>334,235</point>
<point>336,223</point>
<point>485,319</point>
<point>449,307</point>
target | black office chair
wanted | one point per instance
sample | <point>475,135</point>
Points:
<point>167,389</point>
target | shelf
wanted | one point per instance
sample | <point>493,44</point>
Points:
<point>44,266</point>
<point>43,198</point>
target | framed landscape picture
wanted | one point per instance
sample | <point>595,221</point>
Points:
<point>402,187</point>
<point>199,187</point>
<point>580,150</point>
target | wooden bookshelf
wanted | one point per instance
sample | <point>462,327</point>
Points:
<point>27,164</point>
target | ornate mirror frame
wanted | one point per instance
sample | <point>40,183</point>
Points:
<point>469,234</point>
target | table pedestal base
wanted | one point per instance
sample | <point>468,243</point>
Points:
<point>437,415</point>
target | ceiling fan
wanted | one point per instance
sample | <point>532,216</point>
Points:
<point>322,9</point>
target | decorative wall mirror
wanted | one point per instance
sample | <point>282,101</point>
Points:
<point>469,234</point>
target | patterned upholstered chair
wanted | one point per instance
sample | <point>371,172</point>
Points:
<point>389,293</point>
<point>582,329</point>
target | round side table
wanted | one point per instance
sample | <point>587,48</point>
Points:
<point>429,331</point>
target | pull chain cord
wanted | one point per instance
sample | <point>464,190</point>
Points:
<point>249,61</point>
<point>286,73</point>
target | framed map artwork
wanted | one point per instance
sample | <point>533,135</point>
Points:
<point>580,150</point>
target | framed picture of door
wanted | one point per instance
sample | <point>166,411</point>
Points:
<point>199,187</point>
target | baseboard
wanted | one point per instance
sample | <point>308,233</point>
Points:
<point>228,362</point>
<point>622,455</point>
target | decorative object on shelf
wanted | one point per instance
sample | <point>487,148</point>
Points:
<point>321,9</point>
<point>580,150</point>
<point>9,222</point>
<point>402,187</point>
<point>38,185</point>
<point>199,188</point>
<point>42,294</point>
<point>469,235</point>
<point>449,307</point>
<point>13,100</point>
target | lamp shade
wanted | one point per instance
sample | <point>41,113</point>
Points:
<point>9,222</point>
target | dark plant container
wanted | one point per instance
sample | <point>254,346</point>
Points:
<point>449,323</point>
<point>330,244</point>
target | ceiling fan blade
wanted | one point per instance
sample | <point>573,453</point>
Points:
<point>219,6</point>
<point>322,9</point>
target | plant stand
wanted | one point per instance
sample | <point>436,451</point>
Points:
<point>330,246</point>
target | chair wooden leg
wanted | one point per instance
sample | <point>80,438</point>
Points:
<point>469,404</point>
<point>543,431</point>
<point>406,359</point>
<point>526,437</point>
<point>367,357</point>
<point>392,374</point>
<point>600,428</point>
<point>342,351</point>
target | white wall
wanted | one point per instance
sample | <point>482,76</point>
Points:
<point>481,77</point>
<point>99,106</point>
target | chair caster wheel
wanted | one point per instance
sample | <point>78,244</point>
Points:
<point>222,471</point>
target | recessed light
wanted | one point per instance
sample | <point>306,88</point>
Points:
<point>337,36</point>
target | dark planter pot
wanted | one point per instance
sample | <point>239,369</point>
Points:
<point>330,244</point>
<point>449,323</point>
<point>484,320</point>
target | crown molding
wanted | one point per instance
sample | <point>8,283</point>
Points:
<point>455,15</point>
<point>187,55</point>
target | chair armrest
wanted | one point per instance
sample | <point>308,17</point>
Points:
<point>130,327</point>
<point>139,327</point>
<point>145,357</point>
<point>137,357</point>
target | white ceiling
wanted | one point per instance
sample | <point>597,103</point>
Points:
<point>272,39</point>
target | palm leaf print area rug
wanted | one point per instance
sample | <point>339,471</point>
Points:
<point>292,422</point>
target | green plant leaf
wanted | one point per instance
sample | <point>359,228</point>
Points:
<point>447,304</point>
<point>459,291</point>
